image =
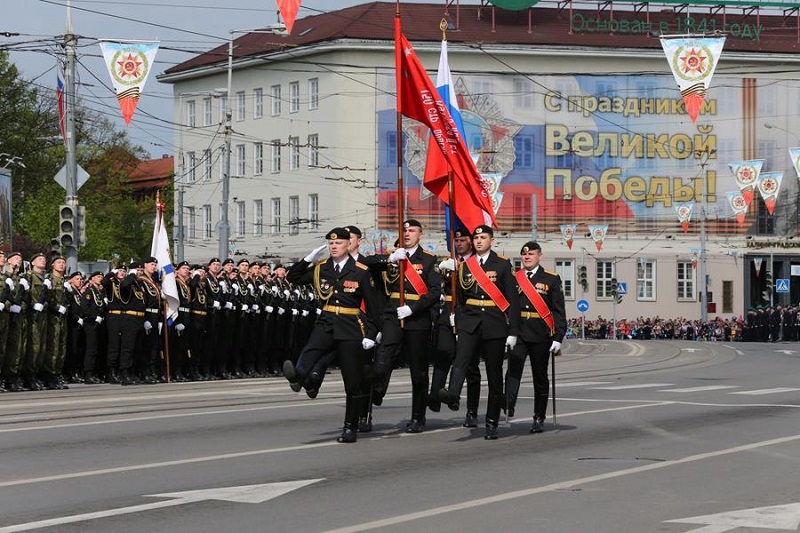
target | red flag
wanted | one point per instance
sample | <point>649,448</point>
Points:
<point>289,9</point>
<point>60,101</point>
<point>418,99</point>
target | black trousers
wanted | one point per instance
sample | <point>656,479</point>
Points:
<point>91,331</point>
<point>539,355</point>
<point>122,334</point>
<point>444,356</point>
<point>412,346</point>
<point>471,346</point>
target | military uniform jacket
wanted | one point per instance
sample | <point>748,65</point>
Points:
<point>74,306</point>
<point>38,291</point>
<point>123,295</point>
<point>425,264</point>
<point>185,298</point>
<point>495,323</point>
<point>345,291</point>
<point>93,302</point>
<point>57,297</point>
<point>548,285</point>
<point>152,299</point>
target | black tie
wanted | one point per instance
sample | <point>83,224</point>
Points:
<point>337,269</point>
<point>530,275</point>
<point>483,260</point>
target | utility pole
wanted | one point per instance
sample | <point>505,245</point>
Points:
<point>703,275</point>
<point>71,185</point>
<point>534,218</point>
<point>224,225</point>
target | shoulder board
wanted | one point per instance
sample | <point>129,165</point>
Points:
<point>320,262</point>
<point>551,272</point>
<point>424,251</point>
<point>503,257</point>
<point>361,265</point>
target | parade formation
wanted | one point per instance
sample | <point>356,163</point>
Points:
<point>336,307</point>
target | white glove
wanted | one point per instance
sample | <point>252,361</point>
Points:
<point>133,273</point>
<point>160,326</point>
<point>99,320</point>
<point>24,283</point>
<point>235,287</point>
<point>10,283</point>
<point>275,290</point>
<point>2,306</point>
<point>61,309</point>
<point>38,307</point>
<point>452,320</point>
<point>448,264</point>
<point>511,341</point>
<point>319,311</point>
<point>250,287</point>
<point>281,310</point>
<point>245,308</point>
<point>228,305</point>
<point>179,328</point>
<point>105,300</point>
<point>216,305</point>
<point>404,312</point>
<point>555,347</point>
<point>378,337</point>
<point>114,271</point>
<point>80,322</point>
<point>47,283</point>
<point>305,312</point>
<point>295,312</point>
<point>286,293</point>
<point>367,344</point>
<point>254,307</point>
<point>263,289</point>
<point>196,274</point>
<point>297,292</point>
<point>15,309</point>
<point>224,285</point>
<point>316,254</point>
<point>67,286</point>
<point>269,308</point>
<point>148,326</point>
<point>398,255</point>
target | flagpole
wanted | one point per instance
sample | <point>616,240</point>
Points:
<point>400,185</point>
<point>165,317</point>
<point>451,211</point>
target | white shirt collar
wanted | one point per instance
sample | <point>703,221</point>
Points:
<point>412,251</point>
<point>534,270</point>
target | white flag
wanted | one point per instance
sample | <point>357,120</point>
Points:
<point>160,250</point>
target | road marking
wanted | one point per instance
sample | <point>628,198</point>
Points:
<point>701,389</point>
<point>762,392</point>
<point>780,517</point>
<point>581,384</point>
<point>244,494</point>
<point>562,485</point>
<point>631,387</point>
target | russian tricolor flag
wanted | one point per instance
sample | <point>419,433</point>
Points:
<point>60,102</point>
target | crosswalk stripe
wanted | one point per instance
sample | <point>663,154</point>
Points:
<point>639,386</point>
<point>762,392</point>
<point>701,389</point>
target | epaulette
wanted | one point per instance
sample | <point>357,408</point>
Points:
<point>424,251</point>
<point>361,265</point>
<point>320,262</point>
<point>503,257</point>
<point>551,272</point>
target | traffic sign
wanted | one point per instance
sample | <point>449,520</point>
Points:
<point>622,288</point>
<point>782,285</point>
<point>582,305</point>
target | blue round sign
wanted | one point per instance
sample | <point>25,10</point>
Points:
<point>583,306</point>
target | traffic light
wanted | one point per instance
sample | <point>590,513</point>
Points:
<point>767,292</point>
<point>615,291</point>
<point>583,277</point>
<point>67,220</point>
<point>768,280</point>
<point>55,248</point>
<point>81,225</point>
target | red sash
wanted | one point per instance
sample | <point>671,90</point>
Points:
<point>536,299</point>
<point>415,279</point>
<point>486,284</point>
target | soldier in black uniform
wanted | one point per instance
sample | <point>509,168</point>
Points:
<point>125,320</point>
<point>150,356</point>
<point>487,318</point>
<point>540,334</point>
<point>342,283</point>
<point>422,290</point>
<point>179,342</point>
<point>94,307</point>
<point>75,322</point>
<point>198,364</point>
<point>214,319</point>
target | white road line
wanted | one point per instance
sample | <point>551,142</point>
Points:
<point>631,387</point>
<point>562,385</point>
<point>562,485</point>
<point>701,389</point>
<point>762,392</point>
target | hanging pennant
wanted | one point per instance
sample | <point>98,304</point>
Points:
<point>794,153</point>
<point>693,60</point>
<point>757,263</point>
<point>684,210</point>
<point>289,9</point>
<point>769,184</point>
<point>129,64</point>
<point>746,175</point>
<point>694,256</point>
<point>739,206</point>
<point>598,233</point>
<point>568,234</point>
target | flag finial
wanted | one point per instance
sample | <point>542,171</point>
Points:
<point>443,27</point>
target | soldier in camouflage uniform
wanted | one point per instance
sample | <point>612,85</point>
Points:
<point>56,336</point>
<point>40,284</point>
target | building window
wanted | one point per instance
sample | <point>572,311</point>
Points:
<point>258,103</point>
<point>294,214</point>
<point>313,150</point>
<point>207,222</point>
<point>605,273</point>
<point>686,282</point>
<point>646,280</point>
<point>294,97</point>
<point>240,219</point>
<point>258,217</point>
<point>258,158</point>
<point>206,165</point>
<point>391,149</point>
<point>191,165</point>
<point>523,148</point>
<point>240,160</point>
<point>275,92</point>
<point>191,119</point>
<point>276,157</point>
<point>523,93</point>
<point>275,222</point>
<point>766,222</point>
<point>294,153</point>
<point>727,296</point>
<point>191,227</point>
<point>208,118</point>
<point>566,269</point>
<point>313,93</point>
<point>240,106</point>
<point>313,210</point>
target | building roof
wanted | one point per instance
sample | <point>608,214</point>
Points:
<point>749,29</point>
<point>153,173</point>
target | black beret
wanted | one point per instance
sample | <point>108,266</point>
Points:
<point>411,223</point>
<point>56,258</point>
<point>228,261</point>
<point>213,260</point>
<point>96,273</point>
<point>483,228</point>
<point>279,265</point>
<point>150,259</point>
<point>353,230</point>
<point>530,246</point>
<point>13,254</point>
<point>135,264</point>
<point>196,267</point>
<point>35,256</point>
<point>460,232</point>
<point>76,273</point>
<point>242,261</point>
<point>337,233</point>
<point>181,264</point>
<point>255,264</point>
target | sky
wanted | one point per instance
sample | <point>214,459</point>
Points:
<point>185,28</point>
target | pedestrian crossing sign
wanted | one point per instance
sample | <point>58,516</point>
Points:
<point>782,285</point>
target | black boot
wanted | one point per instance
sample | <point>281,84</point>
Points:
<point>417,425</point>
<point>538,424</point>
<point>471,420</point>
<point>452,395</point>
<point>348,436</point>
<point>113,376</point>
<point>90,379</point>
<point>491,430</point>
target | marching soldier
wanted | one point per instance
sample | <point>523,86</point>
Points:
<point>487,318</point>
<point>342,283</point>
<point>94,308</point>
<point>543,325</point>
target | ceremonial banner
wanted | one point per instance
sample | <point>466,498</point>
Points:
<point>289,9</point>
<point>160,250</point>
<point>746,174</point>
<point>739,206</point>
<point>129,64</point>
<point>60,102</point>
<point>568,234</point>
<point>418,99</point>
<point>757,263</point>
<point>693,60</point>
<point>769,184</point>
<point>598,233</point>
<point>694,256</point>
<point>684,211</point>
<point>794,153</point>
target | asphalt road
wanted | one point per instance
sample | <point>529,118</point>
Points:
<point>649,437</point>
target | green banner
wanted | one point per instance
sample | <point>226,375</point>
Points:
<point>514,5</point>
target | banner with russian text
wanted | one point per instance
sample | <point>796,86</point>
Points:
<point>693,61</point>
<point>129,63</point>
<point>769,185</point>
<point>598,234</point>
<point>568,234</point>
<point>746,175</point>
